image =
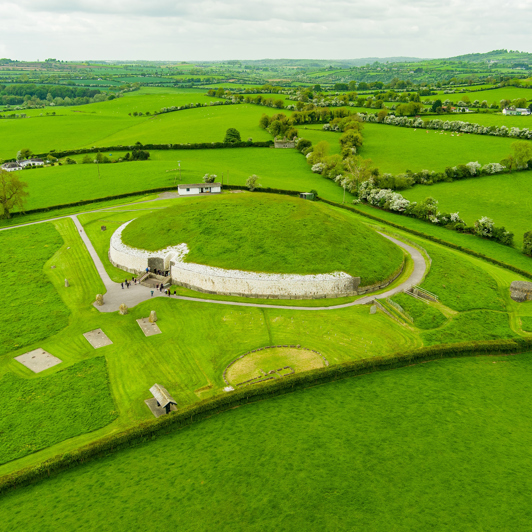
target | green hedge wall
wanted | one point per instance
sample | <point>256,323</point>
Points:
<point>191,414</point>
<point>195,146</point>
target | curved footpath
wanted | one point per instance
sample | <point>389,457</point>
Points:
<point>135,294</point>
<point>116,295</point>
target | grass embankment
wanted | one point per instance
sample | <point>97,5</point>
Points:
<point>39,412</point>
<point>507,199</point>
<point>268,233</point>
<point>32,308</point>
<point>448,433</point>
<point>460,284</point>
<point>424,315</point>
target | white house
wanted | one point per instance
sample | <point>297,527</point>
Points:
<point>31,162</point>
<point>11,167</point>
<point>193,189</point>
<point>520,111</point>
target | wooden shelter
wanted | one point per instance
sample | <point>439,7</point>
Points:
<point>163,398</point>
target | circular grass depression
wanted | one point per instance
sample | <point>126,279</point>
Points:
<point>271,363</point>
<point>268,233</point>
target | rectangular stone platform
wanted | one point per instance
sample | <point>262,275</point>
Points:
<point>148,328</point>
<point>38,360</point>
<point>97,338</point>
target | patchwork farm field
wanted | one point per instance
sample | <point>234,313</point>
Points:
<point>507,199</point>
<point>289,454</point>
<point>396,149</point>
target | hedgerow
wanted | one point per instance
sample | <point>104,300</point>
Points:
<point>249,394</point>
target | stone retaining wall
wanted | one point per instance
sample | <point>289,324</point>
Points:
<point>211,280</point>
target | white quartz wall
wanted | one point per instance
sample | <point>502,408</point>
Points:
<point>233,282</point>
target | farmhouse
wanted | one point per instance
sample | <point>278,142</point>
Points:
<point>11,167</point>
<point>518,112</point>
<point>31,162</point>
<point>195,189</point>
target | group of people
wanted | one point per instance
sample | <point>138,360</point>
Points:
<point>129,283</point>
<point>167,291</point>
<point>157,272</point>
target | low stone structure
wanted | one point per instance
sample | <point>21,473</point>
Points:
<point>99,299</point>
<point>97,338</point>
<point>284,143</point>
<point>123,310</point>
<point>38,360</point>
<point>521,291</point>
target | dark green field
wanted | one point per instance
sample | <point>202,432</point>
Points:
<point>33,309</point>
<point>439,446</point>
<point>37,413</point>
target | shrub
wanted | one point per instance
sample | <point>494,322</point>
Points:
<point>527,243</point>
<point>232,135</point>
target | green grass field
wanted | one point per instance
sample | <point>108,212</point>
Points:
<point>425,316</point>
<point>437,446</point>
<point>505,254</point>
<point>495,95</point>
<point>507,199</point>
<point>38,412</point>
<point>396,149</point>
<point>206,124</point>
<point>33,309</point>
<point>286,169</point>
<point>460,284</point>
<point>267,233</point>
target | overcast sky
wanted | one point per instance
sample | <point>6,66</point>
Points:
<point>253,29</point>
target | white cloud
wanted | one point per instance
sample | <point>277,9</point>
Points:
<point>214,29</point>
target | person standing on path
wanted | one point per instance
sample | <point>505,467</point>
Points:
<point>152,293</point>
<point>122,286</point>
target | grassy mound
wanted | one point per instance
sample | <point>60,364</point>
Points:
<point>268,233</point>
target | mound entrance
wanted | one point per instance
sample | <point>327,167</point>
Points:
<point>268,363</point>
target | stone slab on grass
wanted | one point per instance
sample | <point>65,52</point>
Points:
<point>97,338</point>
<point>148,328</point>
<point>157,410</point>
<point>38,360</point>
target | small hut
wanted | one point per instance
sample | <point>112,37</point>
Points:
<point>163,398</point>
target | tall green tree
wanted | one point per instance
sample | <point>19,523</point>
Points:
<point>13,193</point>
